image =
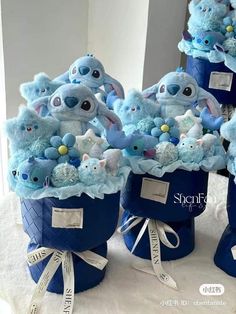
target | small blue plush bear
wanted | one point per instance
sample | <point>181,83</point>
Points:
<point>190,149</point>
<point>35,173</point>
<point>90,72</point>
<point>41,86</point>
<point>30,132</point>
<point>92,170</point>
<point>134,110</point>
<point>206,15</point>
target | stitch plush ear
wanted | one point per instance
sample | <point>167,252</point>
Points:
<point>187,36</point>
<point>108,117</point>
<point>151,92</point>
<point>63,77</point>
<point>205,99</point>
<point>112,84</point>
<point>40,105</point>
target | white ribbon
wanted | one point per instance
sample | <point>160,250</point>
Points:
<point>58,258</point>
<point>157,233</point>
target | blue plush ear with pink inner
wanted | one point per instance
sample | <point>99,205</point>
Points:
<point>41,86</point>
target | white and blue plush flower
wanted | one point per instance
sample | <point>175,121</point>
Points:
<point>228,28</point>
<point>166,130</point>
<point>62,149</point>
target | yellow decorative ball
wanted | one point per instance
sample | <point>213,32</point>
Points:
<point>165,128</point>
<point>62,150</point>
<point>229,28</point>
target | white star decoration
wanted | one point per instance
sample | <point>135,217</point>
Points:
<point>189,124</point>
<point>86,142</point>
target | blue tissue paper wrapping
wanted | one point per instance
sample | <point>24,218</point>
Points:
<point>98,220</point>
<point>85,275</point>
<point>224,258</point>
<point>201,69</point>
<point>184,229</point>
<point>186,195</point>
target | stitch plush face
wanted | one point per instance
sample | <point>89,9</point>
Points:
<point>190,149</point>
<point>28,128</point>
<point>134,108</point>
<point>92,170</point>
<point>90,72</point>
<point>87,70</point>
<point>35,173</point>
<point>72,102</point>
<point>206,41</point>
<point>41,86</point>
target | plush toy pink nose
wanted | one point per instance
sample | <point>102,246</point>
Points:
<point>29,129</point>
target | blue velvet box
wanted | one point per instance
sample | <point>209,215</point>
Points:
<point>224,257</point>
<point>186,196</point>
<point>74,224</point>
<point>201,70</point>
<point>231,201</point>
<point>184,229</point>
<point>85,275</point>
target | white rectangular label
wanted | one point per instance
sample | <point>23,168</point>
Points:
<point>69,218</point>
<point>233,250</point>
<point>221,80</point>
<point>155,190</point>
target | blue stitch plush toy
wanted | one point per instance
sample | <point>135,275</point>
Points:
<point>41,86</point>
<point>134,109</point>
<point>178,92</point>
<point>90,72</point>
<point>30,132</point>
<point>204,40</point>
<point>206,15</point>
<point>92,170</point>
<point>35,173</point>
<point>75,106</point>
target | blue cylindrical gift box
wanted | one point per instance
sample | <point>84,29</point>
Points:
<point>202,69</point>
<point>91,222</point>
<point>184,229</point>
<point>186,197</point>
<point>231,201</point>
<point>224,258</point>
<point>85,275</point>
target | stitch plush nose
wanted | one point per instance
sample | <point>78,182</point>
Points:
<point>173,89</point>
<point>24,176</point>
<point>71,101</point>
<point>83,70</point>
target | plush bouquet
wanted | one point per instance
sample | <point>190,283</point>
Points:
<point>171,142</point>
<point>210,44</point>
<point>68,178</point>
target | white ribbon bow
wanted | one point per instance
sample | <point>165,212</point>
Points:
<point>157,233</point>
<point>64,258</point>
